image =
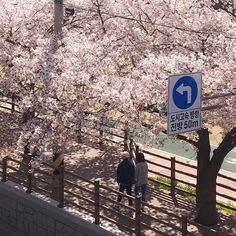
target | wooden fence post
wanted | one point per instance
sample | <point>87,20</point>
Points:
<point>126,140</point>
<point>101,138</point>
<point>61,187</point>
<point>137,216</point>
<point>4,169</point>
<point>137,150</point>
<point>29,181</point>
<point>172,176</point>
<point>184,225</point>
<point>97,203</point>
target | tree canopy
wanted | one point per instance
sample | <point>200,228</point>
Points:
<point>113,55</point>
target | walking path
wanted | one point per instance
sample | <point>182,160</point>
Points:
<point>92,163</point>
<point>89,161</point>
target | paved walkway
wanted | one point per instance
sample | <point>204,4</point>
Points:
<point>88,161</point>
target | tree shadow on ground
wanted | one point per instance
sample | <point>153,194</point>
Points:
<point>103,165</point>
<point>88,161</point>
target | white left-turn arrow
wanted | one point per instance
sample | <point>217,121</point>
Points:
<point>181,89</point>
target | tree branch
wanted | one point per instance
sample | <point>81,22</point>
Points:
<point>228,143</point>
<point>98,5</point>
<point>227,6</point>
<point>8,40</point>
<point>186,139</point>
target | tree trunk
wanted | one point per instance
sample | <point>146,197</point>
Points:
<point>206,199</point>
<point>207,171</point>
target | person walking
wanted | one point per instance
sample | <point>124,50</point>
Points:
<point>125,177</point>
<point>141,177</point>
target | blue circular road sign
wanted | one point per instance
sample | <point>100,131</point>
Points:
<point>185,92</point>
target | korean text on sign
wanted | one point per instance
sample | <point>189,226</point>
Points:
<point>184,121</point>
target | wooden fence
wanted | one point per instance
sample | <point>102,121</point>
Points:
<point>176,172</point>
<point>177,175</point>
<point>90,197</point>
<point>9,104</point>
<point>97,195</point>
<point>95,199</point>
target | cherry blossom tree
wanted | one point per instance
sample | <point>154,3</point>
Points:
<point>117,55</point>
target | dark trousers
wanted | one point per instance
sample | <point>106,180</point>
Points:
<point>128,189</point>
<point>142,189</point>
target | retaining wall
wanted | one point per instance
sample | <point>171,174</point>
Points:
<point>23,214</point>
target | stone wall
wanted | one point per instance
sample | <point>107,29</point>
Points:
<point>23,214</point>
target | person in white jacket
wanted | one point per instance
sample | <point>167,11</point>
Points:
<point>141,176</point>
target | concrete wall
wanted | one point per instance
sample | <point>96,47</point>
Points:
<point>23,214</point>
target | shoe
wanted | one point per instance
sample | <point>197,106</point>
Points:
<point>142,208</point>
<point>116,206</point>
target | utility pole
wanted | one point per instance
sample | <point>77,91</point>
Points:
<point>58,16</point>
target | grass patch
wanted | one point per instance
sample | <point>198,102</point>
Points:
<point>187,192</point>
<point>226,209</point>
<point>160,182</point>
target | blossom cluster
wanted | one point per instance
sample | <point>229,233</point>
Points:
<point>114,57</point>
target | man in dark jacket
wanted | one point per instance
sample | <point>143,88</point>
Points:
<point>125,176</point>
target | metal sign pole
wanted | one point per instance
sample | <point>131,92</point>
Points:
<point>58,16</point>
